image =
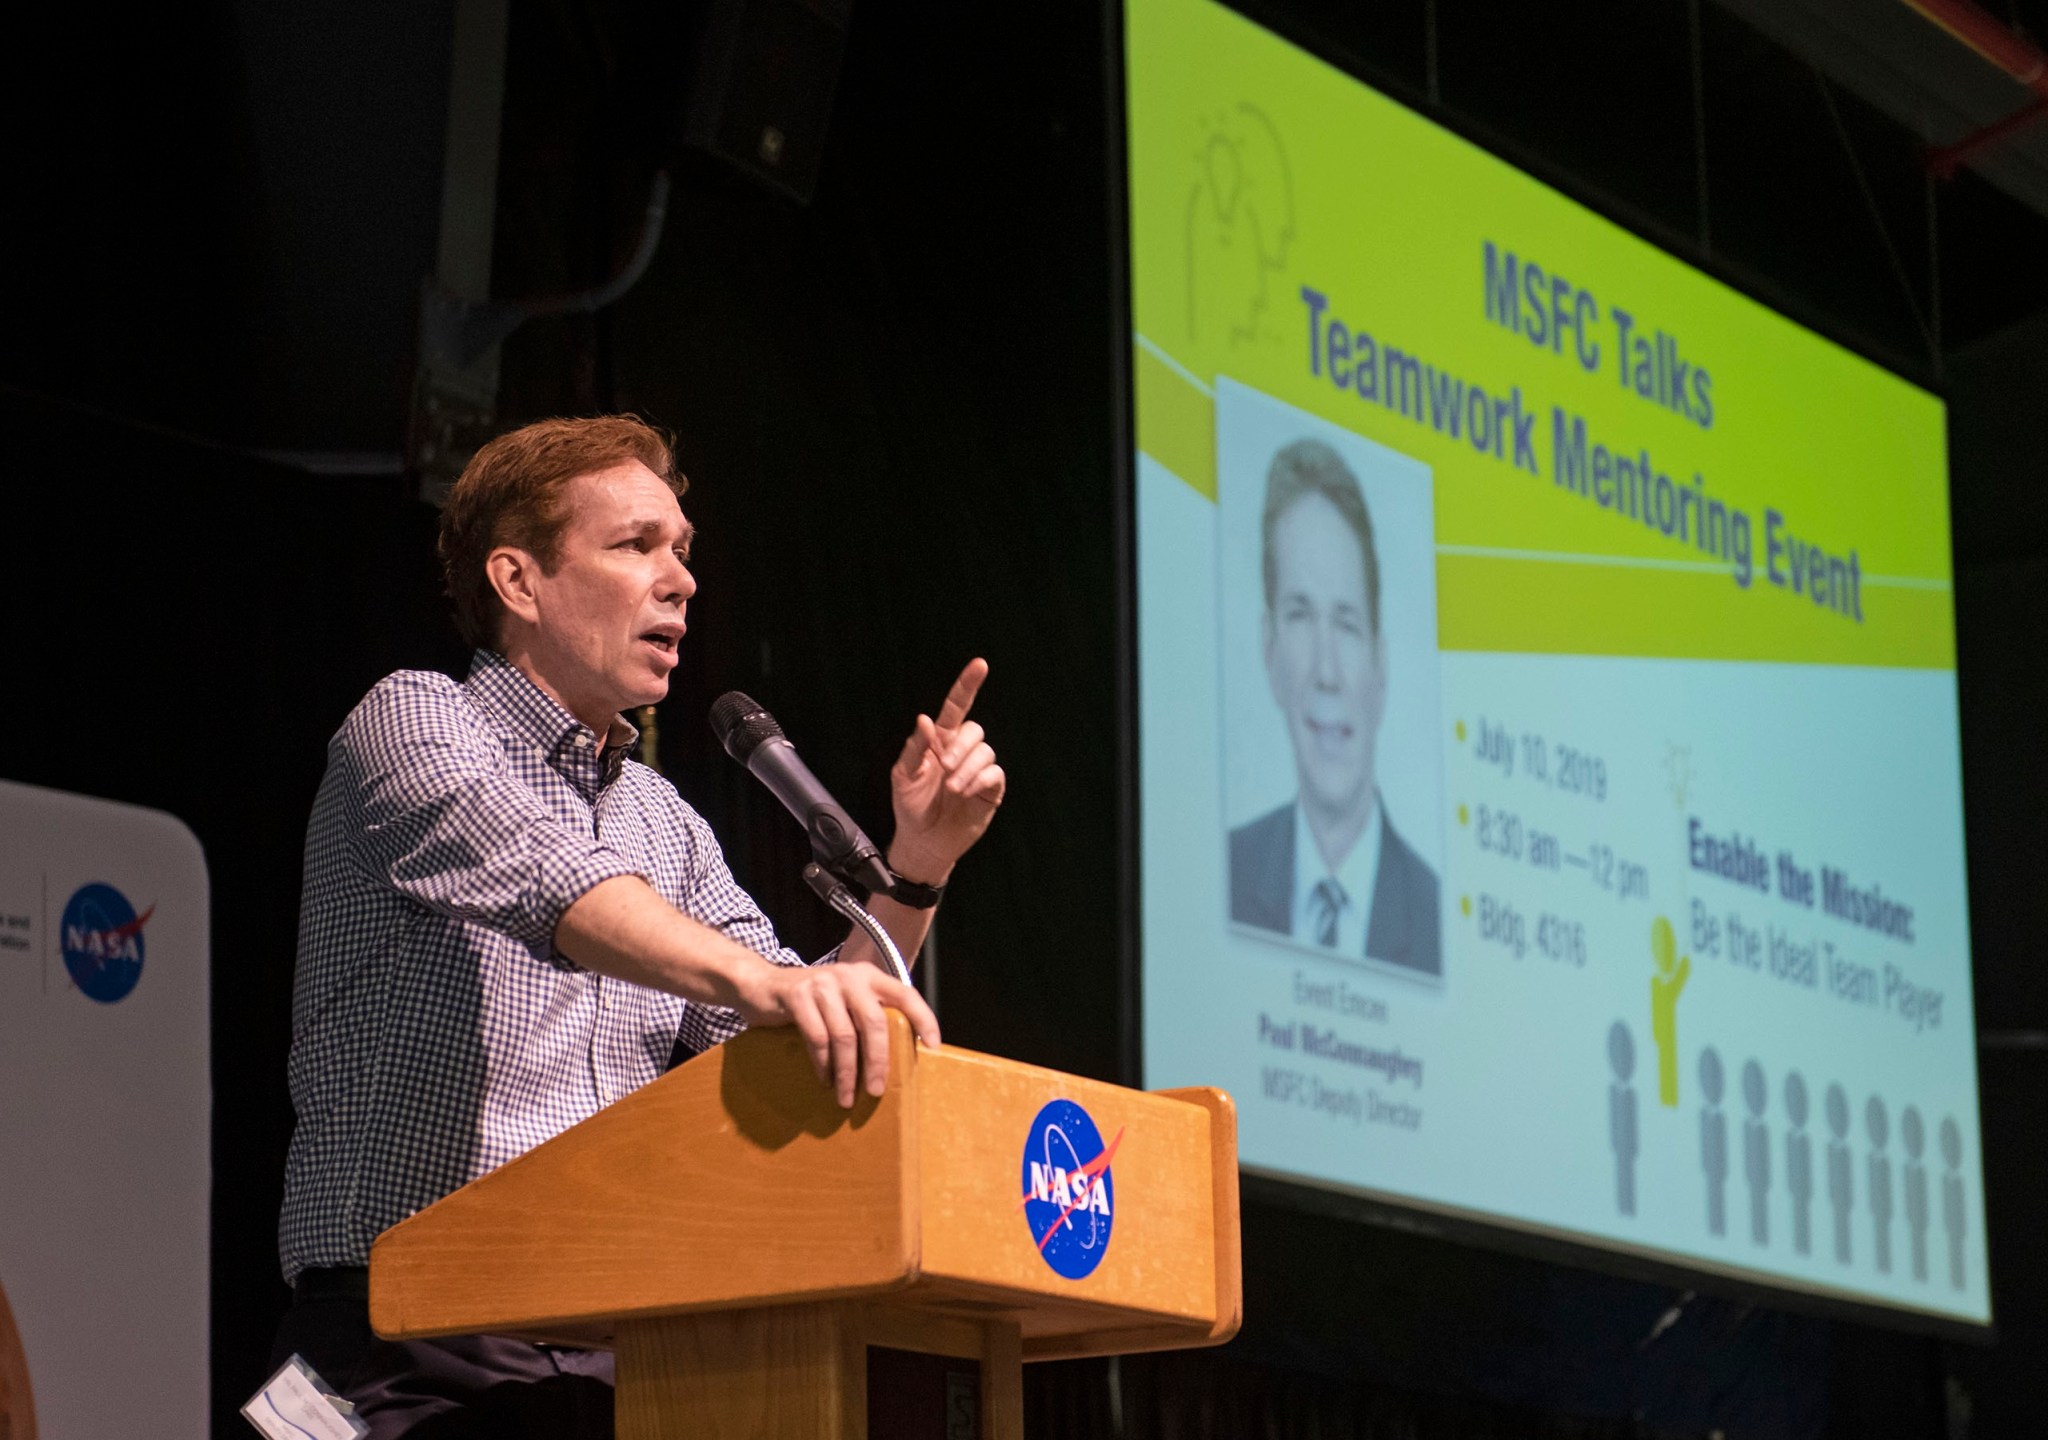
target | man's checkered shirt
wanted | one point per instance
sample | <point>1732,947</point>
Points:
<point>436,1031</point>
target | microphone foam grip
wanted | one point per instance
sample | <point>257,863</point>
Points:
<point>741,725</point>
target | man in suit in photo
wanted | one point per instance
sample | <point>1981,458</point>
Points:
<point>1328,867</point>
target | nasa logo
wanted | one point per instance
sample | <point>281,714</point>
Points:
<point>101,937</point>
<point>1069,1199</point>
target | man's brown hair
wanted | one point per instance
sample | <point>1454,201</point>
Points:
<point>510,493</point>
<point>1309,467</point>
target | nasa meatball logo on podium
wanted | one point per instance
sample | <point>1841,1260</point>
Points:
<point>1069,1195</point>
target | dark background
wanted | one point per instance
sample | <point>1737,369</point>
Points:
<point>901,408</point>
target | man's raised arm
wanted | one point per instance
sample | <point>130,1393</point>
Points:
<point>945,787</point>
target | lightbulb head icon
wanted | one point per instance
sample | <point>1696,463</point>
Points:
<point>1239,224</point>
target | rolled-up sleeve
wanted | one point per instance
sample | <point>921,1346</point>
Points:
<point>715,899</point>
<point>440,818</point>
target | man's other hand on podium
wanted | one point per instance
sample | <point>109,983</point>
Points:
<point>621,927</point>
<point>840,1010</point>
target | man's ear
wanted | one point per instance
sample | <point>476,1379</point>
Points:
<point>515,573</point>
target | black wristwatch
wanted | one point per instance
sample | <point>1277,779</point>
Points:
<point>916,896</point>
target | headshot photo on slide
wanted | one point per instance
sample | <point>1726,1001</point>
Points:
<point>1329,688</point>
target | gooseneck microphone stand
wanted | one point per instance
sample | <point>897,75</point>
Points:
<point>843,855</point>
<point>839,895</point>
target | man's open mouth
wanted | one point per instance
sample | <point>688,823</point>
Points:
<point>663,640</point>
<point>1328,737</point>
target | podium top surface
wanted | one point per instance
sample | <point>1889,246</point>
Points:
<point>1098,1218</point>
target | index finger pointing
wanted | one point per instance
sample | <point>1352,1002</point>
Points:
<point>960,699</point>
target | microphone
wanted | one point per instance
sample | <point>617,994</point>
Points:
<point>751,736</point>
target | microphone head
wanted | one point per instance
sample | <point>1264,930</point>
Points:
<point>741,725</point>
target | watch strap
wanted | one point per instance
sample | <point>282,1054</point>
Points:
<point>916,896</point>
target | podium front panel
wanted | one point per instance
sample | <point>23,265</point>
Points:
<point>1066,1195</point>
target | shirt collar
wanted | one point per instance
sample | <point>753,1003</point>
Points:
<point>1357,874</point>
<point>535,716</point>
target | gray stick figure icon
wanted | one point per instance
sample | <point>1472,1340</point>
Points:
<point>1841,1180</point>
<point>1714,1142</point>
<point>1879,1125</point>
<point>1952,1197</point>
<point>1914,1136</point>
<point>1756,1153</point>
<point>1799,1163</point>
<point>1621,1115</point>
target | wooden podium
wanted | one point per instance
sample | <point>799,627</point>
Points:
<point>754,1254</point>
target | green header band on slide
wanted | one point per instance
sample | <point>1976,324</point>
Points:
<point>1176,423</point>
<point>1592,602</point>
<point>1627,457</point>
<point>1563,607</point>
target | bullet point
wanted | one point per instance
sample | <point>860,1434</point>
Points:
<point>1465,903</point>
<point>1461,729</point>
<point>1464,816</point>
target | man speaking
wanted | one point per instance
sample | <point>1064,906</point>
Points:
<point>1328,867</point>
<point>508,925</point>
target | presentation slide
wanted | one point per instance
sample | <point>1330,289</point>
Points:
<point>1551,811</point>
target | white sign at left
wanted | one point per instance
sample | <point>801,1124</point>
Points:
<point>105,1110</point>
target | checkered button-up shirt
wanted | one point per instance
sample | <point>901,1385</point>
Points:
<point>436,1031</point>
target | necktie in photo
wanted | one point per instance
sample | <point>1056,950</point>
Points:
<point>1323,904</point>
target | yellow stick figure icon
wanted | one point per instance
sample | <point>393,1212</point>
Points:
<point>1673,970</point>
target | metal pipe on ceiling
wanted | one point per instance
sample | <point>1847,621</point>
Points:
<point>2004,47</point>
<point>1990,37</point>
